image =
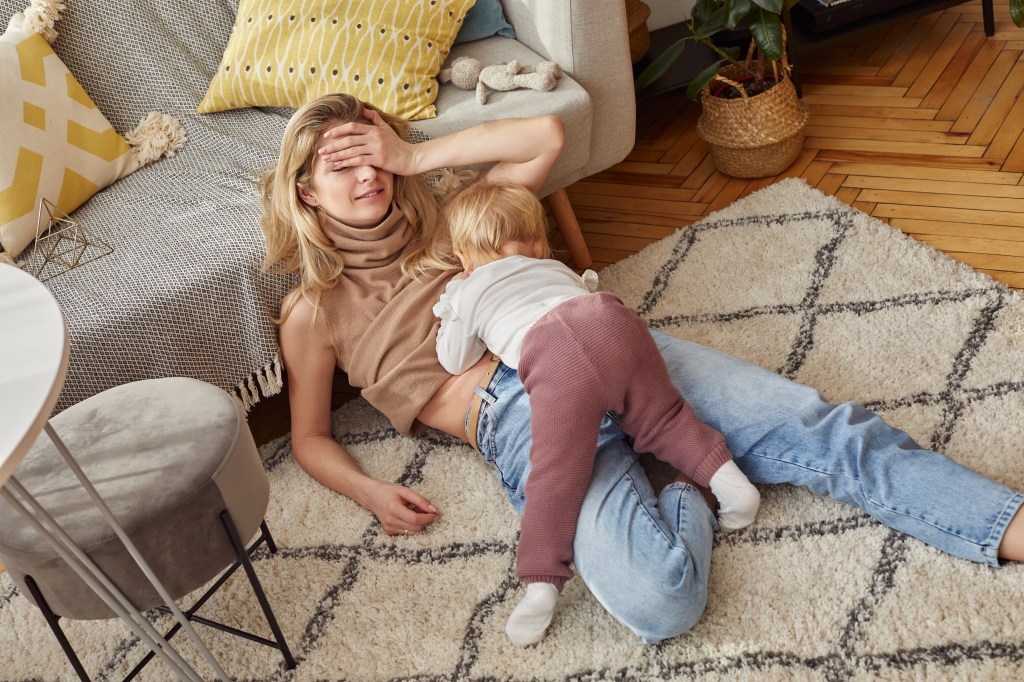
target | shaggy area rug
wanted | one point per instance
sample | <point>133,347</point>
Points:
<point>787,278</point>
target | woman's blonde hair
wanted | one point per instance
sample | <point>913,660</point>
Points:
<point>485,216</point>
<point>291,228</point>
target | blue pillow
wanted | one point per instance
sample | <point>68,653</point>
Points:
<point>484,18</point>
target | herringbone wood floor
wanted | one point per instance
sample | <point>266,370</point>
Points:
<point>918,124</point>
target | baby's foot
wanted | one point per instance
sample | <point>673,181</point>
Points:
<point>532,614</point>
<point>738,499</point>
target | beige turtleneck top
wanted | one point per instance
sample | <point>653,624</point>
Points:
<point>381,321</point>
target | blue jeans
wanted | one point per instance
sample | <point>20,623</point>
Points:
<point>645,556</point>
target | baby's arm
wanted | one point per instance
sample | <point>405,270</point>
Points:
<point>458,346</point>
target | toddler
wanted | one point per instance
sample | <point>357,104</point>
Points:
<point>579,355</point>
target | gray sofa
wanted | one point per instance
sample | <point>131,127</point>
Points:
<point>183,293</point>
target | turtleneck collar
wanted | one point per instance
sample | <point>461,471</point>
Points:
<point>370,247</point>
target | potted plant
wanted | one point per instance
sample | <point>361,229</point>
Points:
<point>752,118</point>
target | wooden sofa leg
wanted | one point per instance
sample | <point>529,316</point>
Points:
<point>561,209</point>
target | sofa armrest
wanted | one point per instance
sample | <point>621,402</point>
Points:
<point>590,40</point>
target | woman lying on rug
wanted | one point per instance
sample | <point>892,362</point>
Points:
<point>347,209</point>
<point>579,356</point>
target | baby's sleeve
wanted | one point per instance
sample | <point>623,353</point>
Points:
<point>458,346</point>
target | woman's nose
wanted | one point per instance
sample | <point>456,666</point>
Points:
<point>366,173</point>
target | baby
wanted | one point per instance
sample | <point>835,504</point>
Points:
<point>579,355</point>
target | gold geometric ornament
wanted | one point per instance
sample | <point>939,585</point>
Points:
<point>61,245</point>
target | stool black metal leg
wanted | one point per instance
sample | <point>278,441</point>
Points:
<point>988,17</point>
<point>243,558</point>
<point>52,620</point>
<point>271,545</point>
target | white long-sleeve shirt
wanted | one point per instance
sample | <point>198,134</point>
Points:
<point>497,305</point>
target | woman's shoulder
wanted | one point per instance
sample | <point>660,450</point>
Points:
<point>303,320</point>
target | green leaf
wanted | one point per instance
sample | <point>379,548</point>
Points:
<point>660,66</point>
<point>737,10</point>
<point>1017,12</point>
<point>703,10</point>
<point>773,6</point>
<point>702,79</point>
<point>766,29</point>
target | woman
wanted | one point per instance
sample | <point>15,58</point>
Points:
<point>346,210</point>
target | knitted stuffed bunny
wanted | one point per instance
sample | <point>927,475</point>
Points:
<point>468,73</point>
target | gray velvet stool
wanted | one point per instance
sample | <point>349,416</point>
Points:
<point>177,465</point>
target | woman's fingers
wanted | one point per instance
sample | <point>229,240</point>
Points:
<point>406,512</point>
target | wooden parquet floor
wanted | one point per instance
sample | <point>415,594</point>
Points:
<point>918,124</point>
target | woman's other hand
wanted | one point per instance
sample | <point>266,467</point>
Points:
<point>401,511</point>
<point>369,144</point>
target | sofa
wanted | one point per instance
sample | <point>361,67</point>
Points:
<point>183,292</point>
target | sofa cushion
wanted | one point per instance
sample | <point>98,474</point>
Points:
<point>288,52</point>
<point>54,144</point>
<point>569,101</point>
<point>484,19</point>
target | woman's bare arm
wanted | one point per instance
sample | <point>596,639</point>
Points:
<point>522,149</point>
<point>309,362</point>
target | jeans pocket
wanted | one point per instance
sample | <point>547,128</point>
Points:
<point>509,459</point>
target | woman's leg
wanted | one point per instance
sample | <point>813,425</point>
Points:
<point>783,432</point>
<point>645,557</point>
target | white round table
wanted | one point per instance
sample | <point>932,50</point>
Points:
<point>34,352</point>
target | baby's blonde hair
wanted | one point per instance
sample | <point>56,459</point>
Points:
<point>486,216</point>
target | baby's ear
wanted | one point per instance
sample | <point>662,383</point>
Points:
<point>466,265</point>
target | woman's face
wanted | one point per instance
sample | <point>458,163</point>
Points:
<point>359,196</point>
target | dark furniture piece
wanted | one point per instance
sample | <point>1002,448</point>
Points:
<point>803,38</point>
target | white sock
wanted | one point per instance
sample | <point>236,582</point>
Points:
<point>738,499</point>
<point>532,614</point>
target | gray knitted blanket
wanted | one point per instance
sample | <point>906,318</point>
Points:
<point>182,293</point>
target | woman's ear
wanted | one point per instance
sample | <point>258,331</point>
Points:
<point>307,196</point>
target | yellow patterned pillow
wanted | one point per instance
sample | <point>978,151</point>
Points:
<point>288,52</point>
<point>54,143</point>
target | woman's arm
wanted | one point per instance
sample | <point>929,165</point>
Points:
<point>523,150</point>
<point>309,362</point>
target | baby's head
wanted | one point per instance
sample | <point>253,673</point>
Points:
<point>492,220</point>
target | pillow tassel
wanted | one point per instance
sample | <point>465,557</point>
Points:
<point>7,260</point>
<point>157,135</point>
<point>40,17</point>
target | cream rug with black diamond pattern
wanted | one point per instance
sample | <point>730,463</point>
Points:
<point>789,279</point>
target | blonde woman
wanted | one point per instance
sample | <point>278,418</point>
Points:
<point>345,208</point>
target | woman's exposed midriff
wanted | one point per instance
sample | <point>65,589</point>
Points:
<point>446,409</point>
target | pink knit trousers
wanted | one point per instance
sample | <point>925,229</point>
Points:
<point>589,356</point>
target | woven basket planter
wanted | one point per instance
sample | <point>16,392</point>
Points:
<point>636,22</point>
<point>753,137</point>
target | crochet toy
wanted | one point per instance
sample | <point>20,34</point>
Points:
<point>468,73</point>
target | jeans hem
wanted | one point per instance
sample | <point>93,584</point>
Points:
<point>991,550</point>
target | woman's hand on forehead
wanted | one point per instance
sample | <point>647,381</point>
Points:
<point>368,144</point>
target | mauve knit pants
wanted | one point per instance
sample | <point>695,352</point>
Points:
<point>588,356</point>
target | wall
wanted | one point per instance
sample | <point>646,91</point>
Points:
<point>666,12</point>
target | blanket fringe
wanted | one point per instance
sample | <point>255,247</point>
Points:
<point>40,17</point>
<point>262,383</point>
<point>7,260</point>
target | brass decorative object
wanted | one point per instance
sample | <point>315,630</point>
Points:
<point>62,244</point>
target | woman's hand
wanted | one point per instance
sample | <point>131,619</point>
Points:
<point>369,144</point>
<point>401,511</point>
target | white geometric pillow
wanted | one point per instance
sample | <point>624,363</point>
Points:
<point>54,142</point>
